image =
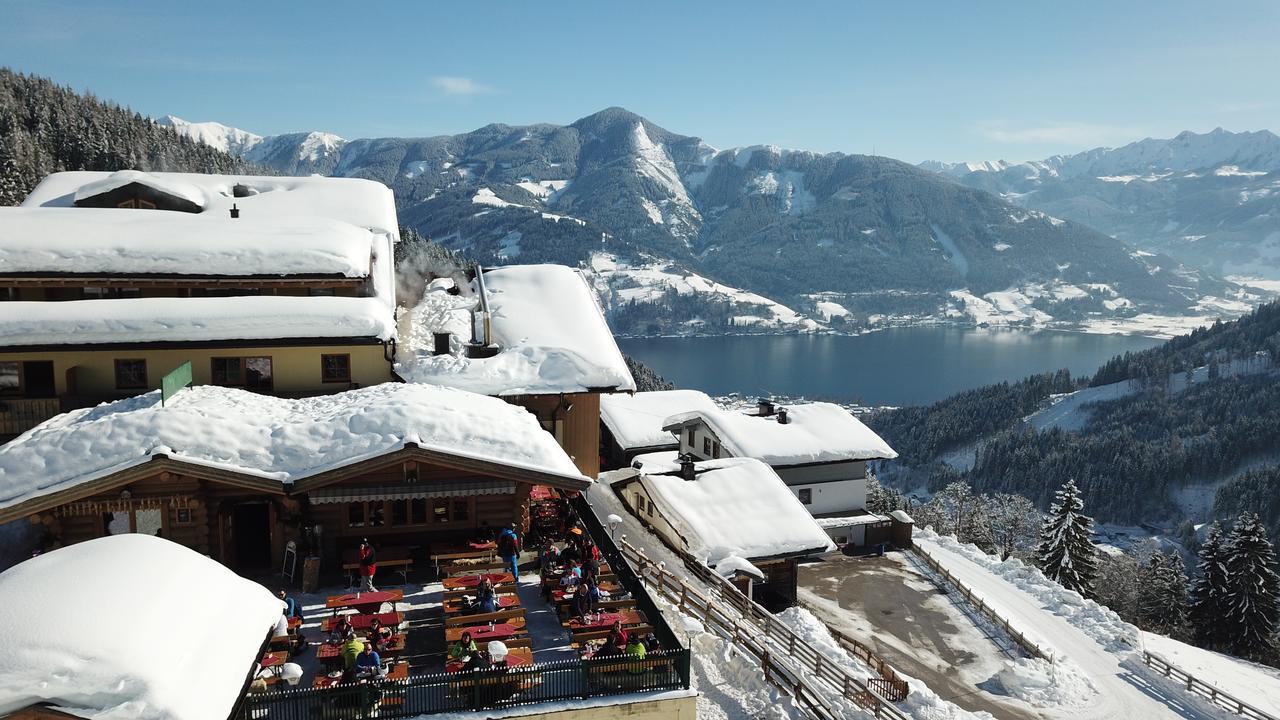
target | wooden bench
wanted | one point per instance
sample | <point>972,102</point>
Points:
<point>484,618</point>
<point>623,604</point>
<point>467,568</point>
<point>585,635</point>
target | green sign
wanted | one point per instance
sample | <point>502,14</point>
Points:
<point>179,378</point>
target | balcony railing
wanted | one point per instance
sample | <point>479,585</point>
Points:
<point>475,691</point>
<point>18,415</point>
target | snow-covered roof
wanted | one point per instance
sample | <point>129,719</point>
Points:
<point>550,331</point>
<point>362,203</point>
<point>851,520</point>
<point>735,506</point>
<point>636,420</point>
<point>274,438</point>
<point>166,183</point>
<point>112,241</point>
<point>130,626</point>
<point>814,433</point>
<point>142,320</point>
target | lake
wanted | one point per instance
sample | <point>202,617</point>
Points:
<point>900,366</point>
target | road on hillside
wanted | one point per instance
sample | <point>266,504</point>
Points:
<point>1125,691</point>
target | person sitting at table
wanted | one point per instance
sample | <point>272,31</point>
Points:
<point>550,556</point>
<point>342,629</point>
<point>368,662</point>
<point>486,597</point>
<point>636,651</point>
<point>351,650</point>
<point>292,609</point>
<point>590,550</point>
<point>476,661</point>
<point>581,603</point>
<point>617,638</point>
<point>380,634</point>
<point>651,643</point>
<point>463,648</point>
<point>590,569</point>
<point>572,574</point>
<point>569,553</point>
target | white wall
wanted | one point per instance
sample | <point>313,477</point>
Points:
<point>835,497</point>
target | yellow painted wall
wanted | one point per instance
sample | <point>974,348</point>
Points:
<point>294,369</point>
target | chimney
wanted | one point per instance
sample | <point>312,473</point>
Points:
<point>442,343</point>
<point>782,416</point>
<point>764,407</point>
<point>235,211</point>
<point>686,467</point>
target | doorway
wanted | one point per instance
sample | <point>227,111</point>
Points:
<point>251,535</point>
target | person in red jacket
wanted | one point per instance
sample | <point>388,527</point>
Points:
<point>368,566</point>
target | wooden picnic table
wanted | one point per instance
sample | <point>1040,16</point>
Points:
<point>479,633</point>
<point>330,653</point>
<point>505,602</point>
<point>463,582</point>
<point>616,592</point>
<point>605,620</point>
<point>397,671</point>
<point>364,603</point>
<point>274,658</point>
<point>542,493</point>
<point>364,622</point>
<point>516,657</point>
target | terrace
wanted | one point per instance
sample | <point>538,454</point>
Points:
<point>536,650</point>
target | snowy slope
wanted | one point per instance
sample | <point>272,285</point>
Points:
<point>214,134</point>
<point>1080,635</point>
<point>1257,685</point>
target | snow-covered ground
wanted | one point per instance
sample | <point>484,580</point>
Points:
<point>1257,685</point>
<point>1096,669</point>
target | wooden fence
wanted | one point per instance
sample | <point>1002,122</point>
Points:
<point>967,593</point>
<point>787,661</point>
<point>1199,687</point>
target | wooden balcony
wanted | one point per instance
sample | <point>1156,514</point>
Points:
<point>18,415</point>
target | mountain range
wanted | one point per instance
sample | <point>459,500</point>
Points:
<point>683,237</point>
<point>1211,200</point>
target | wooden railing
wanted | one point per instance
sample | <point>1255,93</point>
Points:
<point>18,415</point>
<point>967,593</point>
<point>1199,687</point>
<point>786,660</point>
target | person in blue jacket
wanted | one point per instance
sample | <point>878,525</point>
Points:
<point>509,549</point>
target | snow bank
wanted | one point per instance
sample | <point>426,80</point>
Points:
<point>735,506</point>
<point>200,319</point>
<point>815,432</point>
<point>552,337</point>
<point>1257,685</point>
<point>636,420</point>
<point>130,626</point>
<point>273,437</point>
<point>112,241</point>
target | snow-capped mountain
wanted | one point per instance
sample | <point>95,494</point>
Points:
<point>849,240</point>
<point>1210,199</point>
<point>225,138</point>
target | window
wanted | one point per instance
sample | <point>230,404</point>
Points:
<point>417,511</point>
<point>250,373</point>
<point>806,496</point>
<point>461,511</point>
<point>440,511</point>
<point>715,449</point>
<point>377,514</point>
<point>400,512</point>
<point>640,504</point>
<point>650,509</point>
<point>706,447</point>
<point>355,515</point>
<point>335,368</point>
<point>10,378</point>
<point>688,437</point>
<point>183,516</point>
<point>131,374</point>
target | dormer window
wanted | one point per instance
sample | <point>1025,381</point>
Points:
<point>133,189</point>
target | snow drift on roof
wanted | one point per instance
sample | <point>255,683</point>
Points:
<point>735,506</point>
<point>815,432</point>
<point>551,333</point>
<point>166,183</point>
<point>111,241</point>
<point>273,437</point>
<point>363,203</point>
<point>130,626</point>
<point>142,320</point>
<point>636,420</point>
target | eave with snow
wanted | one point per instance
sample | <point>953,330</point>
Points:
<point>534,335</point>
<point>396,462</point>
<point>281,285</point>
<point>632,424</point>
<point>731,512</point>
<point>819,450</point>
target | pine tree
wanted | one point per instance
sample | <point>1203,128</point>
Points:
<point>1252,602</point>
<point>1208,593</point>
<point>1162,594</point>
<point>1066,552</point>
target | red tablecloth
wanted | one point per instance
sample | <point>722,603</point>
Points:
<point>500,631</point>
<point>504,601</point>
<point>273,659</point>
<point>470,581</point>
<point>516,657</point>
<point>604,621</point>
<point>362,622</point>
<point>541,492</point>
<point>364,602</point>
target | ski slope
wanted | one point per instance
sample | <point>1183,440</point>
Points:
<point>1081,635</point>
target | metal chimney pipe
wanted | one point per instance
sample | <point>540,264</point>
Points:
<point>235,211</point>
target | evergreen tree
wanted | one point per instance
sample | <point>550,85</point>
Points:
<point>1252,601</point>
<point>1208,593</point>
<point>1162,595</point>
<point>1066,552</point>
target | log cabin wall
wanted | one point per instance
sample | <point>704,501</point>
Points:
<point>574,420</point>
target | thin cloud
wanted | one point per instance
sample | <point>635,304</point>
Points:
<point>450,85</point>
<point>1063,133</point>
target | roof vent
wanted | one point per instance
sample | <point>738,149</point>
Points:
<point>235,211</point>
<point>764,407</point>
<point>782,416</point>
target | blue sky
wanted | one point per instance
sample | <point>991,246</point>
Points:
<point>945,80</point>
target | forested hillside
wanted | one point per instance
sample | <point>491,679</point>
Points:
<point>1201,411</point>
<point>45,128</point>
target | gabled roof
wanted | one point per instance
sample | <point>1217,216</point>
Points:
<point>734,507</point>
<point>814,433</point>
<point>636,420</point>
<point>192,197</point>
<point>549,329</point>
<point>315,440</point>
<point>92,628</point>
